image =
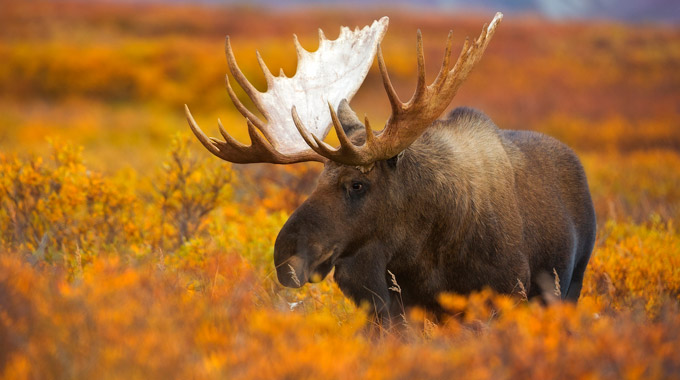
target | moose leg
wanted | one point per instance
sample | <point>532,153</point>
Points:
<point>361,277</point>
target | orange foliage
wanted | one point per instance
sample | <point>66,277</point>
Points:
<point>139,266</point>
<point>211,307</point>
<point>599,80</point>
<point>637,264</point>
<point>58,203</point>
<point>143,321</point>
<point>636,185</point>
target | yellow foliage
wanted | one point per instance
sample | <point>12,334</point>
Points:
<point>634,185</point>
<point>212,308</point>
<point>636,265</point>
<point>58,204</point>
<point>149,269</point>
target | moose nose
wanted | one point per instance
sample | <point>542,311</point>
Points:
<point>292,273</point>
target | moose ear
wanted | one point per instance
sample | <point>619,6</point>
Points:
<point>392,162</point>
<point>348,119</point>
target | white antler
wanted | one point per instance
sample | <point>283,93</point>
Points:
<point>332,73</point>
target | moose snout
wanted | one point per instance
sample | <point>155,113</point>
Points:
<point>306,247</point>
<point>291,256</point>
<point>292,272</point>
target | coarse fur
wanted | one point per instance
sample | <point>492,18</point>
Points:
<point>466,206</point>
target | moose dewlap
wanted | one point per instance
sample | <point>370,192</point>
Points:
<point>448,205</point>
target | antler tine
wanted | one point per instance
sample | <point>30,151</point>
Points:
<point>370,138</point>
<point>345,143</point>
<point>395,102</point>
<point>260,150</point>
<point>445,62</point>
<point>420,84</point>
<point>215,147</point>
<point>227,137</point>
<point>302,130</point>
<point>245,111</point>
<point>343,154</point>
<point>258,141</point>
<point>301,52</point>
<point>447,51</point>
<point>314,142</point>
<point>202,137</point>
<point>267,74</point>
<point>252,92</point>
<point>325,149</point>
<point>322,37</point>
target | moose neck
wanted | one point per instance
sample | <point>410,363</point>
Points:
<point>460,167</point>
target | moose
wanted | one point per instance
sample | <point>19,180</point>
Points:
<point>442,205</point>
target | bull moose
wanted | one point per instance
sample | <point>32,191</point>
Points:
<point>448,205</point>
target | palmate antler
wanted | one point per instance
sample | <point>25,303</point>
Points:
<point>332,73</point>
<point>323,79</point>
<point>408,120</point>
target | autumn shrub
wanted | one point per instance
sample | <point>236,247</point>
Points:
<point>59,209</point>
<point>278,188</point>
<point>210,305</point>
<point>116,321</point>
<point>512,339</point>
<point>142,321</point>
<point>142,269</point>
<point>58,205</point>
<point>213,305</point>
<point>185,191</point>
<point>635,185</point>
<point>615,133</point>
<point>636,266</point>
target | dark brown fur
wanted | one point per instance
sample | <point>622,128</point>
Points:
<point>466,206</point>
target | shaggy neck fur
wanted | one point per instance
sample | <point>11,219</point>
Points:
<point>479,189</point>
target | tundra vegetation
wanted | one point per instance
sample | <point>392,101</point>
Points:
<point>126,251</point>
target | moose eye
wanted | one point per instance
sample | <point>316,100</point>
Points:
<point>356,190</point>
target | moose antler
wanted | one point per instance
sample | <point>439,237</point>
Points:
<point>332,73</point>
<point>408,120</point>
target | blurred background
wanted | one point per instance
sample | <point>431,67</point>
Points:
<point>632,10</point>
<point>129,251</point>
<point>113,76</point>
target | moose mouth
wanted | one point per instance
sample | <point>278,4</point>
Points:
<point>321,271</point>
<point>320,268</point>
<point>296,271</point>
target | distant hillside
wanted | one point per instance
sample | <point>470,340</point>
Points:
<point>667,11</point>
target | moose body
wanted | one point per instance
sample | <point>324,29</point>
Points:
<point>466,206</point>
<point>450,205</point>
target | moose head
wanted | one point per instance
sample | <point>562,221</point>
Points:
<point>356,206</point>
